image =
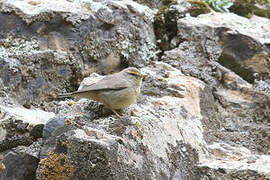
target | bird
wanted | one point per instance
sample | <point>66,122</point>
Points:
<point>115,91</point>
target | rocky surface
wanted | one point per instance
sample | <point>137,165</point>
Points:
<point>203,111</point>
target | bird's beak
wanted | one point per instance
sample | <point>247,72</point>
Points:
<point>143,76</point>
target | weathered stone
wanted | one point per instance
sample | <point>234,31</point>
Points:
<point>227,162</point>
<point>109,148</point>
<point>243,42</point>
<point>18,126</point>
<point>55,45</point>
<point>37,131</point>
<point>52,125</point>
<point>249,8</point>
<point>203,112</point>
<point>238,115</point>
<point>19,166</point>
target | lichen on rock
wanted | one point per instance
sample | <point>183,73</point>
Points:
<point>203,109</point>
<point>56,166</point>
<point>165,25</point>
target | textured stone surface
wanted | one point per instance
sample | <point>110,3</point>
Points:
<point>135,147</point>
<point>229,162</point>
<point>20,126</point>
<point>19,166</point>
<point>203,111</point>
<point>44,43</point>
<point>238,43</point>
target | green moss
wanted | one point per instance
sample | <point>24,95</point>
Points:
<point>262,12</point>
<point>165,24</point>
<point>159,21</point>
<point>230,63</point>
<point>169,2</point>
<point>247,8</point>
<point>199,7</point>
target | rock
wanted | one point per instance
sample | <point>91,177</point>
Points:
<point>152,4</point>
<point>249,8</point>
<point>52,125</point>
<point>235,111</point>
<point>33,116</point>
<point>10,143</point>
<point>261,85</point>
<point>37,131</point>
<point>10,75</point>
<point>244,49</point>
<point>19,166</point>
<point>234,162</point>
<point>93,40</point>
<point>19,126</point>
<point>114,150</point>
<point>22,78</point>
<point>203,111</point>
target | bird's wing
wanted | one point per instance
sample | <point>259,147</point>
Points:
<point>107,83</point>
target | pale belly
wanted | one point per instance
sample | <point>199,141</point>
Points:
<point>120,100</point>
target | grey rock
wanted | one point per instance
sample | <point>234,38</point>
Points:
<point>234,115</point>
<point>52,125</point>
<point>106,148</point>
<point>261,85</point>
<point>230,162</point>
<point>13,142</point>
<point>19,166</point>
<point>10,75</point>
<point>97,36</point>
<point>19,126</point>
<point>235,42</point>
<point>203,111</point>
<point>33,116</point>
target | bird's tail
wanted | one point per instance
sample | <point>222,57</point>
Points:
<point>65,95</point>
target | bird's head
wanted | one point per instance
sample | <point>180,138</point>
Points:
<point>134,72</point>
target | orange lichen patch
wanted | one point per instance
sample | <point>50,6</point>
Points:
<point>56,167</point>
<point>67,121</point>
<point>2,166</point>
<point>42,161</point>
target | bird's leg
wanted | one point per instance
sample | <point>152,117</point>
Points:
<point>115,112</point>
